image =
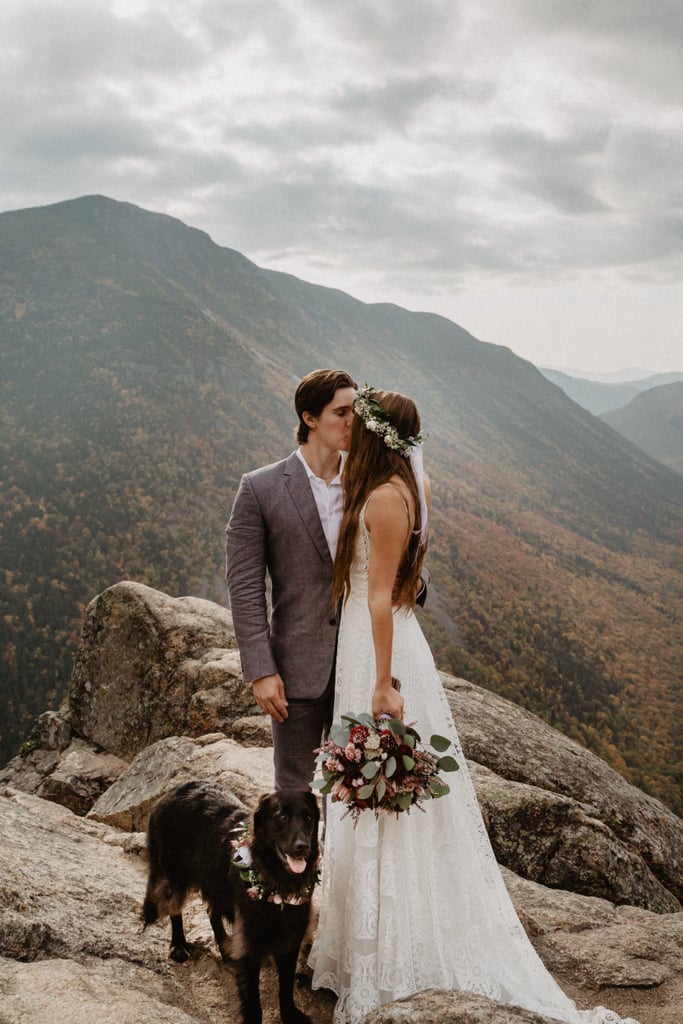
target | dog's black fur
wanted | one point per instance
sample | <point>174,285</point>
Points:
<point>189,838</point>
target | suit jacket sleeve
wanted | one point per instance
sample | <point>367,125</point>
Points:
<point>246,573</point>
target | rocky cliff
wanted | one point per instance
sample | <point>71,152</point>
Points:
<point>594,866</point>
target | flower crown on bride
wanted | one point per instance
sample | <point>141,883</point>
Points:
<point>377,420</point>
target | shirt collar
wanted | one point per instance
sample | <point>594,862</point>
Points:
<point>311,475</point>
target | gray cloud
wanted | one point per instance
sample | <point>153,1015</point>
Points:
<point>562,171</point>
<point>394,103</point>
<point>79,42</point>
<point>646,162</point>
<point>100,134</point>
<point>660,21</point>
<point>637,44</point>
<point>399,33</point>
<point>403,150</point>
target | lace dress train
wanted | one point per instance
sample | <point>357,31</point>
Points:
<point>418,901</point>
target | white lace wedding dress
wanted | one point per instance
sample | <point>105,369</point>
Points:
<point>418,901</point>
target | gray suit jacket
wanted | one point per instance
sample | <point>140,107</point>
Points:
<point>275,529</point>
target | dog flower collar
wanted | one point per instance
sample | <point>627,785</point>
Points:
<point>257,887</point>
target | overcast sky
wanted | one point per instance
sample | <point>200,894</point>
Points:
<point>515,165</point>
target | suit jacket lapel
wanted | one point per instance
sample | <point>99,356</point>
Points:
<point>296,482</point>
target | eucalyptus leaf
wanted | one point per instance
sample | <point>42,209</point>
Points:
<point>339,734</point>
<point>439,742</point>
<point>369,770</point>
<point>319,783</point>
<point>366,719</point>
<point>365,792</point>
<point>381,789</point>
<point>390,767</point>
<point>404,800</point>
<point>397,726</point>
<point>448,764</point>
<point>409,740</point>
<point>408,762</point>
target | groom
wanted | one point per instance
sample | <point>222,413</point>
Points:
<point>285,523</point>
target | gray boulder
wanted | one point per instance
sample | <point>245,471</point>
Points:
<point>73,775</point>
<point>454,1007</point>
<point>518,746</point>
<point>246,771</point>
<point>150,666</point>
<point>560,842</point>
<point>80,776</point>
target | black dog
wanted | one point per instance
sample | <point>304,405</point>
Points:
<point>195,834</point>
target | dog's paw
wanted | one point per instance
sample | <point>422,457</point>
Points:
<point>179,954</point>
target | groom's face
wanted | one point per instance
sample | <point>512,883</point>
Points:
<point>333,426</point>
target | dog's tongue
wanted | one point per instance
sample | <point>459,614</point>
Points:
<point>296,864</point>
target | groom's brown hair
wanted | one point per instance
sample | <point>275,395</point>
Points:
<point>316,390</point>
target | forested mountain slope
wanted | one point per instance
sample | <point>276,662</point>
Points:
<point>654,421</point>
<point>144,369</point>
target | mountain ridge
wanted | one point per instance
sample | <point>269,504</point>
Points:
<point>653,420</point>
<point>605,396</point>
<point>146,368</point>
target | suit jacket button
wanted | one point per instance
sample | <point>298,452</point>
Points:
<point>333,622</point>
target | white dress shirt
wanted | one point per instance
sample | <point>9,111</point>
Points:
<point>329,499</point>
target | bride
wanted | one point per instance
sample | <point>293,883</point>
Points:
<point>414,901</point>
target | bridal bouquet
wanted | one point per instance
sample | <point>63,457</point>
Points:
<point>381,765</point>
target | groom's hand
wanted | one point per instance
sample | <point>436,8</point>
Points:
<point>269,694</point>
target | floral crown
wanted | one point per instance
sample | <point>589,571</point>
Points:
<point>377,420</point>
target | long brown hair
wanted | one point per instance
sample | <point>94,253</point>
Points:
<point>369,464</point>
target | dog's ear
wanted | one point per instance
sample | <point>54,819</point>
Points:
<point>313,804</point>
<point>259,810</point>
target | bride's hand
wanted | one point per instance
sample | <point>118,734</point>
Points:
<point>387,701</point>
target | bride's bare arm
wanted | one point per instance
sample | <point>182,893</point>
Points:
<point>388,524</point>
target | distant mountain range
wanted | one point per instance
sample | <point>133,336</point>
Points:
<point>648,411</point>
<point>600,397</point>
<point>144,368</point>
<point>620,376</point>
<point>654,421</point>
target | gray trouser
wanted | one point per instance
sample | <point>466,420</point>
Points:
<point>295,739</point>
